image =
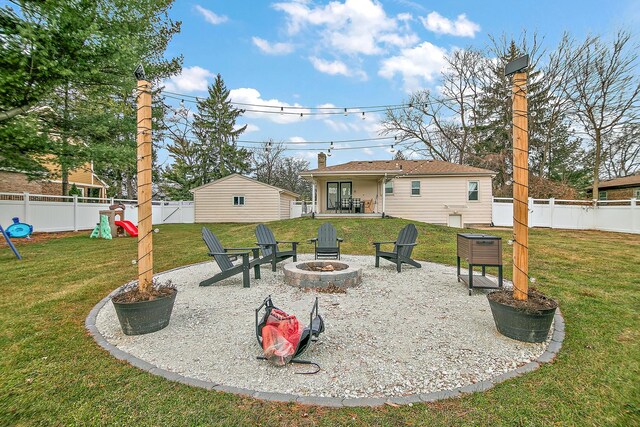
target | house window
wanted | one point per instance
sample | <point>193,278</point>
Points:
<point>472,194</point>
<point>602,195</point>
<point>415,188</point>
<point>636,193</point>
<point>388,187</point>
<point>238,200</point>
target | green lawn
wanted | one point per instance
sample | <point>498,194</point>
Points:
<point>53,373</point>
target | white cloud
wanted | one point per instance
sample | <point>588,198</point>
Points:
<point>352,27</point>
<point>252,96</point>
<point>272,48</point>
<point>417,65</point>
<point>210,16</point>
<point>336,68</point>
<point>461,27</point>
<point>191,79</point>
<point>298,141</point>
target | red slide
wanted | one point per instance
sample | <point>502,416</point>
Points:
<point>128,226</point>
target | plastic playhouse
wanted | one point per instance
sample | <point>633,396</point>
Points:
<point>109,227</point>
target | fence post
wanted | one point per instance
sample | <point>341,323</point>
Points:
<point>27,208</point>
<point>634,222</point>
<point>112,201</point>
<point>75,212</point>
<point>552,205</point>
<point>161,211</point>
<point>530,208</point>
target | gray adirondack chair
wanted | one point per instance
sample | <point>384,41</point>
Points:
<point>223,256</point>
<point>327,244</point>
<point>271,252</point>
<point>402,248</point>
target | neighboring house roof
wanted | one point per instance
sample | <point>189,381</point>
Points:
<point>399,167</point>
<point>281,190</point>
<point>624,182</point>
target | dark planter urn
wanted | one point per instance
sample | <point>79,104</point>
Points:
<point>143,317</point>
<point>522,325</point>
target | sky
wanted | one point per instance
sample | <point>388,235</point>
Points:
<point>319,57</point>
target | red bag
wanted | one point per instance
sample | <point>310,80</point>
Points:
<point>280,337</point>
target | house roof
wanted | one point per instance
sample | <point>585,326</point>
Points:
<point>281,190</point>
<point>625,181</point>
<point>399,167</point>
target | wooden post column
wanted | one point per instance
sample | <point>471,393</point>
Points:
<point>145,244</point>
<point>520,188</point>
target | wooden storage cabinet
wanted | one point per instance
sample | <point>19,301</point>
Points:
<point>479,250</point>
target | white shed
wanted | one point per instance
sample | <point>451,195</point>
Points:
<point>237,198</point>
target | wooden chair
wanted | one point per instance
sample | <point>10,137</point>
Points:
<point>327,244</point>
<point>268,244</point>
<point>402,248</point>
<point>223,257</point>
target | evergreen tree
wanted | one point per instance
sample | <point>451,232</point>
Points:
<point>214,126</point>
<point>69,65</point>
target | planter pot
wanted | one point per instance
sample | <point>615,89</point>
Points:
<point>522,325</point>
<point>143,317</point>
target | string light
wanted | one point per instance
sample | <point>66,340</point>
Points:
<point>346,113</point>
<point>363,117</point>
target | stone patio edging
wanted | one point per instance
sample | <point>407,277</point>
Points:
<point>549,355</point>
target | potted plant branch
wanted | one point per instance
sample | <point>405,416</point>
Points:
<point>523,314</point>
<point>146,305</point>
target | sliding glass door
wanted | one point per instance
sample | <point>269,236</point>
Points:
<point>336,192</point>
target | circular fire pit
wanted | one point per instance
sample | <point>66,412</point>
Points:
<point>322,274</point>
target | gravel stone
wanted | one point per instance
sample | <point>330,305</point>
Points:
<point>393,336</point>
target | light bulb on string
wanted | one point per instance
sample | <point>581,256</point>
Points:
<point>410,107</point>
<point>301,115</point>
<point>393,150</point>
<point>281,110</point>
<point>346,113</point>
<point>329,152</point>
<point>331,145</point>
<point>363,117</point>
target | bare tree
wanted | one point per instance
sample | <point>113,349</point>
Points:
<point>604,90</point>
<point>442,126</point>
<point>266,159</point>
<point>621,151</point>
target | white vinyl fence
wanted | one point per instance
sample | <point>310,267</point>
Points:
<point>607,215</point>
<point>72,213</point>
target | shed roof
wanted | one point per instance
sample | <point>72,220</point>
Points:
<point>403,167</point>
<point>281,190</point>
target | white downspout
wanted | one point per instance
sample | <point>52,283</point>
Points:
<point>384,194</point>
<point>313,195</point>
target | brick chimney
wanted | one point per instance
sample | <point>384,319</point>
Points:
<point>322,160</point>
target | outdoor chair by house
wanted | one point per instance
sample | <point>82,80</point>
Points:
<point>345,205</point>
<point>223,258</point>
<point>327,244</point>
<point>271,252</point>
<point>402,248</point>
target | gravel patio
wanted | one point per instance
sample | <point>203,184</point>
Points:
<point>394,335</point>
